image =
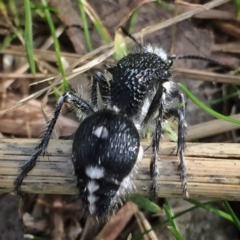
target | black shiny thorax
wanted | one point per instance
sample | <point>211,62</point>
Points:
<point>138,75</point>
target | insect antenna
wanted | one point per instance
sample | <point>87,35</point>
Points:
<point>195,57</point>
<point>126,33</point>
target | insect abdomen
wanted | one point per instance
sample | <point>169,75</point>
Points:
<point>105,150</point>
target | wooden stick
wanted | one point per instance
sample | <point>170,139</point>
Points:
<point>213,169</point>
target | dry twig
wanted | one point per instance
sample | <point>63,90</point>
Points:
<point>213,169</point>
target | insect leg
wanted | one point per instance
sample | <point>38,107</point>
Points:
<point>179,113</point>
<point>157,104</point>
<point>67,97</point>
<point>100,81</point>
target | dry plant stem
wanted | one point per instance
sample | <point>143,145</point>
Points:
<point>144,225</point>
<point>232,47</point>
<point>117,222</point>
<point>181,17</point>
<point>213,169</point>
<point>211,128</point>
<point>69,76</point>
<point>205,76</point>
<point>229,28</point>
<point>25,75</point>
<point>41,54</point>
<point>210,14</point>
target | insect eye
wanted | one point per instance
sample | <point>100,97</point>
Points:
<point>170,62</point>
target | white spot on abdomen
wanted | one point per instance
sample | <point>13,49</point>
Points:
<point>92,199</point>
<point>92,186</point>
<point>95,172</point>
<point>101,132</point>
<point>116,109</point>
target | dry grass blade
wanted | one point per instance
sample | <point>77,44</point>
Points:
<point>96,19</point>
<point>17,73</point>
<point>136,4</point>
<point>232,47</point>
<point>144,225</point>
<point>57,81</point>
<point>24,76</point>
<point>117,223</point>
<point>206,76</point>
<point>181,17</point>
<point>211,128</point>
<point>216,14</point>
<point>213,169</point>
<point>41,54</point>
<point>229,28</point>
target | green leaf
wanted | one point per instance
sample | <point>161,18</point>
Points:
<point>145,203</point>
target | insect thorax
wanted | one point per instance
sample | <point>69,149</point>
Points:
<point>135,79</point>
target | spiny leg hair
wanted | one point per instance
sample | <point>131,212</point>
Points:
<point>179,113</point>
<point>157,104</point>
<point>100,81</point>
<point>67,97</point>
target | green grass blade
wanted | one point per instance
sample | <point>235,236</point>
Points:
<point>85,24</point>
<point>97,22</point>
<point>133,20</point>
<point>140,236</point>
<point>212,209</point>
<point>173,227</point>
<point>28,36</point>
<point>206,108</point>
<point>164,5</point>
<point>145,203</point>
<point>231,95</point>
<point>231,212</point>
<point>37,9</point>
<point>237,3</point>
<point>175,232</point>
<point>120,47</point>
<point>56,44</point>
<point>7,40</point>
<point>98,25</point>
<point>13,9</point>
<point>171,132</point>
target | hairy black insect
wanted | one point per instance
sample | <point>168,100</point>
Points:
<point>106,145</point>
<point>142,89</point>
<point>105,149</point>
